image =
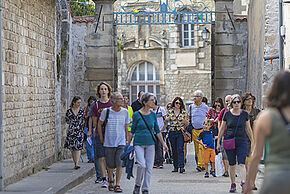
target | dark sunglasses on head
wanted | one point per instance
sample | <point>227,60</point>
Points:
<point>236,102</point>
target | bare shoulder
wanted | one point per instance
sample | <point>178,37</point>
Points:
<point>263,122</point>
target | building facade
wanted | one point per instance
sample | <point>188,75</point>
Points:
<point>167,60</point>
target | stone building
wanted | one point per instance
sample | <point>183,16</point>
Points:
<point>263,40</point>
<point>168,60</point>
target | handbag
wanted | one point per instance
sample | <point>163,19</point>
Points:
<point>153,137</point>
<point>230,144</point>
<point>85,137</point>
<point>185,133</point>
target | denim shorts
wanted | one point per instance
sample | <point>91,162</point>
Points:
<point>239,153</point>
<point>99,148</point>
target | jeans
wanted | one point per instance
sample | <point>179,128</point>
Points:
<point>89,148</point>
<point>145,160</point>
<point>177,145</point>
<point>158,153</point>
<point>96,160</point>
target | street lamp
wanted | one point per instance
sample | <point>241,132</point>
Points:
<point>205,34</point>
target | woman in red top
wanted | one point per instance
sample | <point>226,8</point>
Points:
<point>214,111</point>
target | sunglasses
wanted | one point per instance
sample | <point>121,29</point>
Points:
<point>236,102</point>
<point>218,105</point>
<point>177,103</point>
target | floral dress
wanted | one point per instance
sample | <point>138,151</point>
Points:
<point>75,132</point>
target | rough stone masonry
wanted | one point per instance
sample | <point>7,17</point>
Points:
<point>28,37</point>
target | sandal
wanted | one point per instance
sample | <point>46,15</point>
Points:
<point>111,186</point>
<point>117,189</point>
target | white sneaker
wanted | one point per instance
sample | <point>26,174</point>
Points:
<point>104,184</point>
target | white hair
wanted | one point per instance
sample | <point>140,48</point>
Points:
<point>198,92</point>
<point>228,96</point>
<point>115,94</point>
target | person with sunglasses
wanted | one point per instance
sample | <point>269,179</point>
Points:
<point>145,131</point>
<point>178,120</point>
<point>249,106</point>
<point>235,139</point>
<point>215,110</point>
<point>213,114</point>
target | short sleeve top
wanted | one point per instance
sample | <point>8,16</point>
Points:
<point>96,110</point>
<point>212,114</point>
<point>115,134</point>
<point>176,121</point>
<point>232,122</point>
<point>198,115</point>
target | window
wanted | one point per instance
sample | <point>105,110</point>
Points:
<point>187,35</point>
<point>145,77</point>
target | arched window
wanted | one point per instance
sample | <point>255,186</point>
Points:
<point>145,77</point>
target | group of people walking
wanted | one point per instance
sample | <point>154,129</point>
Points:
<point>110,124</point>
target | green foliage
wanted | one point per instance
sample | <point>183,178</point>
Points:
<point>120,44</point>
<point>82,7</point>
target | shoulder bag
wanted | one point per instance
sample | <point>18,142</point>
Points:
<point>153,137</point>
<point>230,144</point>
<point>189,127</point>
<point>185,133</point>
<point>105,121</point>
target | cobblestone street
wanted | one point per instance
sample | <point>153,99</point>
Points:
<point>165,182</point>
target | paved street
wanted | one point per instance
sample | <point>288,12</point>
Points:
<point>164,181</point>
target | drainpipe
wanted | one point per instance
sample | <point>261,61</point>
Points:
<point>280,36</point>
<point>1,128</point>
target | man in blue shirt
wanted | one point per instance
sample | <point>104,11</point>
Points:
<point>197,115</point>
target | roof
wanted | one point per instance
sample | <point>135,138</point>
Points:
<point>83,19</point>
<point>240,18</point>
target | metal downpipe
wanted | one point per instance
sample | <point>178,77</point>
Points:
<point>1,127</point>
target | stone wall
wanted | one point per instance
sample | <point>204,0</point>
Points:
<point>271,46</point>
<point>241,7</point>
<point>63,78</point>
<point>230,51</point>
<point>79,86</point>
<point>256,30</point>
<point>28,88</point>
<point>263,40</point>
<point>286,23</point>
